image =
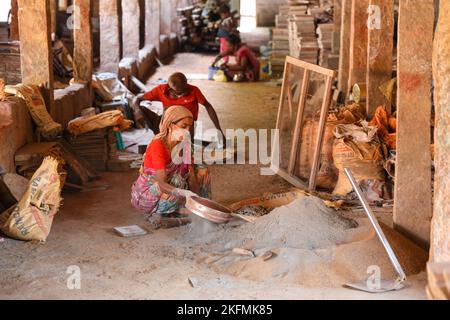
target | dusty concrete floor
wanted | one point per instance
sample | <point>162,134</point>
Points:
<point>154,266</point>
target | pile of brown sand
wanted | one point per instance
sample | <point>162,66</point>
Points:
<point>312,245</point>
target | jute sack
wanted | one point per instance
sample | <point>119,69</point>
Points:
<point>363,158</point>
<point>31,219</point>
<point>36,106</point>
<point>102,120</point>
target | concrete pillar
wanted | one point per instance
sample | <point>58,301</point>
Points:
<point>36,54</point>
<point>166,17</point>
<point>358,42</point>
<point>413,208</point>
<point>440,229</point>
<point>152,22</point>
<point>130,28</point>
<point>344,59</point>
<point>380,52</point>
<point>83,60</point>
<point>110,42</point>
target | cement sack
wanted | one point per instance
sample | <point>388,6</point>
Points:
<point>102,89</point>
<point>114,118</point>
<point>36,106</point>
<point>327,174</point>
<point>32,218</point>
<point>363,158</point>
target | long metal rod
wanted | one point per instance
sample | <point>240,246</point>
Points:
<point>376,225</point>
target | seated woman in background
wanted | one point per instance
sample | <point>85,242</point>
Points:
<point>228,26</point>
<point>164,183</point>
<point>247,65</point>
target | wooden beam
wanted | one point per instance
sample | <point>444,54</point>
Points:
<point>83,57</point>
<point>358,43</point>
<point>53,14</point>
<point>131,17</point>
<point>337,4</point>
<point>440,229</point>
<point>412,209</point>
<point>14,26</point>
<point>344,59</point>
<point>36,54</point>
<point>380,52</point>
<point>110,43</point>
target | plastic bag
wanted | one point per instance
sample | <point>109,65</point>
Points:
<point>220,76</point>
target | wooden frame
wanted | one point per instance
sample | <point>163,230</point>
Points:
<point>308,68</point>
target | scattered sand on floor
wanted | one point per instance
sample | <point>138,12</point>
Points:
<point>313,246</point>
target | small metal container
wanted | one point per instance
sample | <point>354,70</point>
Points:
<point>209,210</point>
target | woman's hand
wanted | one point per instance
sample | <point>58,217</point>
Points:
<point>185,193</point>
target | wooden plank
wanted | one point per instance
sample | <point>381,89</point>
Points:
<point>413,209</point>
<point>380,52</point>
<point>344,58</point>
<point>358,43</point>
<point>284,87</point>
<point>320,133</point>
<point>310,66</point>
<point>299,122</point>
<point>440,230</point>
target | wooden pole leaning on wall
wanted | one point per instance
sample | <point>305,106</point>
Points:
<point>344,57</point>
<point>413,197</point>
<point>36,55</point>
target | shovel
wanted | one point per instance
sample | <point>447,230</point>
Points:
<point>385,286</point>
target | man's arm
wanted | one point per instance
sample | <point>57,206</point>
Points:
<point>214,118</point>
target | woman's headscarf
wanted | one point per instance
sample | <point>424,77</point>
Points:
<point>172,114</point>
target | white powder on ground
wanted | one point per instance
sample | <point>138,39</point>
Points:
<point>304,224</point>
<point>313,245</point>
